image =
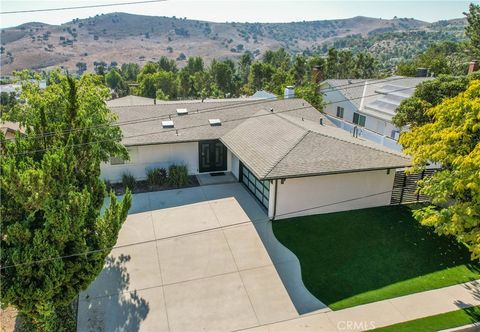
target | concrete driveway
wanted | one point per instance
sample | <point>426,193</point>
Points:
<point>188,260</point>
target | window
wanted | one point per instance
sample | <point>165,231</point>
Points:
<point>340,111</point>
<point>395,134</point>
<point>359,119</point>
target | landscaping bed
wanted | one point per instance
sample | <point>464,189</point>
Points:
<point>144,186</point>
<point>356,257</point>
<point>157,179</point>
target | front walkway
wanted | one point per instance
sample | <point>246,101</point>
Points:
<point>188,260</point>
<point>384,313</point>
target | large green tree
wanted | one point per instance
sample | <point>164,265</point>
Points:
<point>472,30</point>
<point>452,140</point>
<point>54,237</point>
<point>413,111</point>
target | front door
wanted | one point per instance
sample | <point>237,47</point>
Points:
<point>212,156</point>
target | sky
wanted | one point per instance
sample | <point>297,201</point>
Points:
<point>239,10</point>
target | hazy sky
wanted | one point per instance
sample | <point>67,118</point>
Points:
<point>239,10</point>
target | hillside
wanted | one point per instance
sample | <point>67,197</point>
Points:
<point>121,38</point>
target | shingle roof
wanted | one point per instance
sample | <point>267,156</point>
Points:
<point>287,142</point>
<point>142,125</point>
<point>130,101</point>
<point>282,146</point>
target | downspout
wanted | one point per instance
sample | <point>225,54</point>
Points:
<point>275,200</point>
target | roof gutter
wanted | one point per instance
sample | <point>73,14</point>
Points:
<point>333,172</point>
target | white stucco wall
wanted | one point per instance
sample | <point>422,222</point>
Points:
<point>151,156</point>
<point>331,191</point>
<point>334,99</point>
<point>234,165</point>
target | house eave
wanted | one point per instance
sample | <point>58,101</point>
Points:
<point>335,172</point>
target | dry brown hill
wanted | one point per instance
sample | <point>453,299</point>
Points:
<point>121,38</point>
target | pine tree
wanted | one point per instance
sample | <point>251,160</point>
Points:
<point>52,197</point>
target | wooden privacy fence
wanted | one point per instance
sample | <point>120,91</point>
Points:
<point>405,187</point>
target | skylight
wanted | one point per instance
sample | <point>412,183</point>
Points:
<point>182,111</point>
<point>215,122</point>
<point>167,124</point>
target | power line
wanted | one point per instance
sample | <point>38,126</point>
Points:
<point>169,116</point>
<point>240,103</point>
<point>80,7</point>
<point>191,233</point>
<point>177,130</point>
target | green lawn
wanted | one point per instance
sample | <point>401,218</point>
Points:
<point>438,322</point>
<point>356,257</point>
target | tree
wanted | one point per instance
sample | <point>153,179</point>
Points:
<point>81,68</point>
<point>310,92</point>
<point>130,71</point>
<point>260,74</point>
<point>412,111</point>
<point>7,101</point>
<point>52,197</point>
<point>100,67</point>
<point>115,81</point>
<point>222,75</point>
<point>472,30</point>
<point>452,139</point>
<point>167,64</point>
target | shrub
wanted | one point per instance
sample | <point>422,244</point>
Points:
<point>156,176</point>
<point>128,181</point>
<point>178,175</point>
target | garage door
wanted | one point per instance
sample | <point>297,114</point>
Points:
<point>260,189</point>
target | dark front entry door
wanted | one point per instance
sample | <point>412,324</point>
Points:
<point>213,156</point>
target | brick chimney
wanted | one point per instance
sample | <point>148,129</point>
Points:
<point>317,76</point>
<point>473,66</point>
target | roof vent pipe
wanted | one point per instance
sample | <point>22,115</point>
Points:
<point>289,92</point>
<point>154,101</point>
<point>321,121</point>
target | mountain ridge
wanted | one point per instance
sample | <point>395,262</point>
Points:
<point>122,37</point>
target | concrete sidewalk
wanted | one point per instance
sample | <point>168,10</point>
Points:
<point>384,313</point>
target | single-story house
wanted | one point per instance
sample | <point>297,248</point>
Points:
<point>368,106</point>
<point>291,158</point>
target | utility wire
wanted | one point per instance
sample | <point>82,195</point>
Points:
<point>205,110</point>
<point>170,116</point>
<point>177,130</point>
<point>80,7</point>
<point>190,233</point>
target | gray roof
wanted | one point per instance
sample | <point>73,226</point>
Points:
<point>288,142</point>
<point>282,146</point>
<point>379,98</point>
<point>262,94</point>
<point>130,101</point>
<point>142,124</point>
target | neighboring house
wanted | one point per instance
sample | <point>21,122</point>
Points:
<point>365,108</point>
<point>284,151</point>
<point>9,129</point>
<point>262,94</point>
<point>17,87</point>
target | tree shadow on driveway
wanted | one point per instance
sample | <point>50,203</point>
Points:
<point>113,308</point>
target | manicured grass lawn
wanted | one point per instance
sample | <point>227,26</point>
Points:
<point>356,257</point>
<point>438,322</point>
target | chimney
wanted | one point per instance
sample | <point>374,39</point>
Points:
<point>317,76</point>
<point>289,92</point>
<point>473,66</point>
<point>422,72</point>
